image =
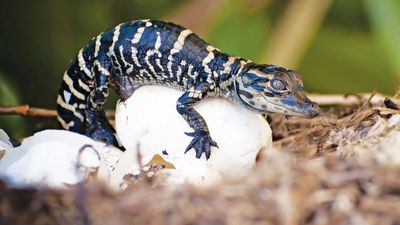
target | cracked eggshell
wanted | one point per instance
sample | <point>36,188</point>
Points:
<point>54,158</point>
<point>148,122</point>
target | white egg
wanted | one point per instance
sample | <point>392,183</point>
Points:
<point>148,122</point>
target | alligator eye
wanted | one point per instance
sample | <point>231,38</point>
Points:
<point>278,85</point>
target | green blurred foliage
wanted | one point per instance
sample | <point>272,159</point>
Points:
<point>357,48</point>
<point>244,32</point>
<point>346,61</point>
<point>385,21</point>
<point>345,56</point>
<point>12,124</point>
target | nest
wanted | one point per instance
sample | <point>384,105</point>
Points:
<point>339,168</point>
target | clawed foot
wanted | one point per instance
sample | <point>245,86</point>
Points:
<point>201,143</point>
<point>100,129</point>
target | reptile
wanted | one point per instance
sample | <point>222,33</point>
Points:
<point>153,52</point>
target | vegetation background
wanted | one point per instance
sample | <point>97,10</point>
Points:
<point>338,46</point>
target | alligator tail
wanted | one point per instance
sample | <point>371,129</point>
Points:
<point>72,99</point>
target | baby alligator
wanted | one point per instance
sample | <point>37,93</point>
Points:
<point>151,52</point>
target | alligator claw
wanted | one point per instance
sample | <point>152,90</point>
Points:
<point>201,143</point>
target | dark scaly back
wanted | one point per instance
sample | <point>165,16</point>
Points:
<point>143,52</point>
<point>159,52</point>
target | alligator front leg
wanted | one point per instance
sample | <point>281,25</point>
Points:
<point>202,140</point>
<point>98,126</point>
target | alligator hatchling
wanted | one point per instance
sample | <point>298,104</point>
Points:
<point>151,52</point>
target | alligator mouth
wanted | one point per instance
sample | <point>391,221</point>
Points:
<point>248,106</point>
<point>300,112</point>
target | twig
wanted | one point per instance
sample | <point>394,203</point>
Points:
<point>347,100</point>
<point>26,110</point>
<point>292,137</point>
<point>363,106</point>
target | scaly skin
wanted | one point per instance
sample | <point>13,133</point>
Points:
<point>150,52</point>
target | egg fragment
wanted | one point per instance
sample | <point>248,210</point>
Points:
<point>5,144</point>
<point>56,159</point>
